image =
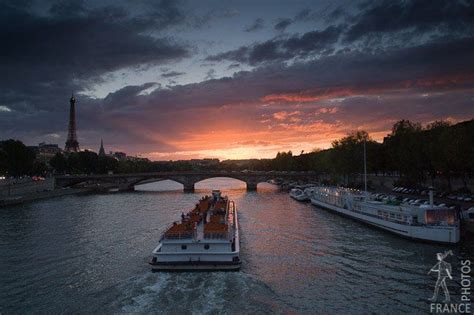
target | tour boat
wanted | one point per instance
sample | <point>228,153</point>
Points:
<point>298,194</point>
<point>206,238</point>
<point>426,222</point>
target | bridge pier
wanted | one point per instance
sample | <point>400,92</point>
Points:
<point>188,187</point>
<point>251,186</point>
<point>126,187</point>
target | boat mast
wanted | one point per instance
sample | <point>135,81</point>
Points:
<point>365,170</point>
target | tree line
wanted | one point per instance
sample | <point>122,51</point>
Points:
<point>16,160</point>
<point>414,152</point>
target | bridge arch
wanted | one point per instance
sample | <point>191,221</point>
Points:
<point>169,183</point>
<point>250,183</point>
<point>148,180</point>
<point>237,181</point>
<point>142,181</point>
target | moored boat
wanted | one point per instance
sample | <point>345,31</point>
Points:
<point>206,238</point>
<point>298,194</point>
<point>426,223</point>
<point>468,220</point>
<point>309,192</point>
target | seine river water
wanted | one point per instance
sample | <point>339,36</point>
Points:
<point>88,254</point>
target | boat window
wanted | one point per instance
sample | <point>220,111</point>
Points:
<point>206,246</point>
<point>183,247</point>
<point>440,216</point>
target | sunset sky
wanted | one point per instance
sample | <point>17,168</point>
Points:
<point>230,79</point>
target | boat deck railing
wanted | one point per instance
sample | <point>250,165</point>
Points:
<point>178,235</point>
<point>216,235</point>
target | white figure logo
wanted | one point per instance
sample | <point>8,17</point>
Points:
<point>444,271</point>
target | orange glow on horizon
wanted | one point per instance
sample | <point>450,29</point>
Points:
<point>303,121</point>
<point>319,94</point>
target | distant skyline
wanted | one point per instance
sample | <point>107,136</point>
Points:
<point>230,79</point>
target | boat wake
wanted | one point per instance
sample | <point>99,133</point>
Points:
<point>204,293</point>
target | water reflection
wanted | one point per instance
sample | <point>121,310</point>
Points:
<point>88,254</point>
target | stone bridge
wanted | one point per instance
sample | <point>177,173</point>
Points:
<point>127,182</point>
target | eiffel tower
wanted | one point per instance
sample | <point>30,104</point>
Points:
<point>71,144</point>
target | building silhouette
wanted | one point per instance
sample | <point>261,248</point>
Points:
<point>45,151</point>
<point>72,145</point>
<point>101,150</point>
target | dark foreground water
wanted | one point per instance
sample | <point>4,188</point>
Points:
<point>88,254</point>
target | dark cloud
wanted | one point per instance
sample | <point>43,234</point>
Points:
<point>201,21</point>
<point>282,24</point>
<point>160,14</point>
<point>172,74</point>
<point>303,15</point>
<point>312,41</point>
<point>418,15</point>
<point>281,49</point>
<point>47,57</point>
<point>380,26</point>
<point>69,47</point>
<point>125,97</point>
<point>67,8</point>
<point>355,71</point>
<point>258,24</point>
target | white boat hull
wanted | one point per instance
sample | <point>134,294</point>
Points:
<point>448,235</point>
<point>300,198</point>
<point>298,195</point>
<point>190,266</point>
